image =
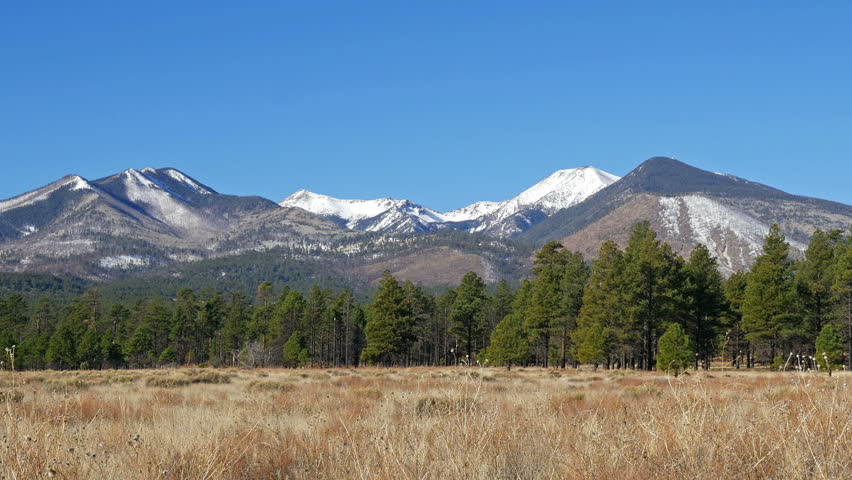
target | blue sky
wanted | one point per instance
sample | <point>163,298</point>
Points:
<point>441,102</point>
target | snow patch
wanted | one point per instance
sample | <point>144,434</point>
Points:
<point>123,261</point>
<point>28,230</point>
<point>670,215</point>
<point>180,177</point>
<point>718,227</point>
<point>163,203</point>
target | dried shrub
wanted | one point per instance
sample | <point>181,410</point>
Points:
<point>12,396</point>
<point>269,386</point>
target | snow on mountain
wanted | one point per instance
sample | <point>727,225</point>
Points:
<point>732,236</point>
<point>355,212</point>
<point>160,202</point>
<point>565,188</point>
<point>346,209</point>
<point>562,189</point>
<point>73,182</point>
<point>180,177</point>
<point>472,211</point>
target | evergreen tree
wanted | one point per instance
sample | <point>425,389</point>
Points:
<point>207,337</point>
<point>509,344</point>
<point>574,280</point>
<point>768,305</point>
<point>62,348</point>
<point>286,318</point>
<point>466,313</point>
<point>422,308</point>
<point>315,314</point>
<point>499,305</point>
<point>296,351</point>
<point>734,289</point>
<point>652,280</point>
<point>842,290</point>
<point>33,347</point>
<point>437,328</point>
<point>705,302</point>
<point>183,321</point>
<point>829,347</point>
<point>675,350</point>
<point>604,306</point>
<point>814,280</point>
<point>237,316</point>
<point>13,319</point>
<point>389,323</point>
<point>89,352</point>
<point>546,306</point>
<point>139,348</point>
<point>593,347</point>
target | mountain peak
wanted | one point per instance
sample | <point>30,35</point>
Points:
<point>564,188</point>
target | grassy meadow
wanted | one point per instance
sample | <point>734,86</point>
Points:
<point>424,423</point>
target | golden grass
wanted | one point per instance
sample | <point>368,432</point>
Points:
<point>424,423</point>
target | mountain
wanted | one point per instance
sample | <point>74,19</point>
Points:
<point>686,206</point>
<point>138,219</point>
<point>153,223</point>
<point>381,215</point>
<point>167,227</point>
<point>558,191</point>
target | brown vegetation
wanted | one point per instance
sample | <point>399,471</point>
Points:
<point>424,423</point>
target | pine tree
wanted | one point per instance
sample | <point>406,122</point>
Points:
<point>652,281</point>
<point>768,306</point>
<point>675,350</point>
<point>499,305</point>
<point>593,348</point>
<point>574,280</point>
<point>182,324</point>
<point>237,316</point>
<point>705,302</point>
<point>604,306</point>
<point>734,289</point>
<point>466,313</point>
<point>422,309</point>
<point>546,302</point>
<point>207,338</point>
<point>829,347</point>
<point>389,323</point>
<point>314,316</point>
<point>814,279</point>
<point>509,344</point>
<point>842,289</point>
<point>13,319</point>
<point>296,351</point>
<point>89,350</point>
<point>40,327</point>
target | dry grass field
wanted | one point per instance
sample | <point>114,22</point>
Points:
<point>424,423</point>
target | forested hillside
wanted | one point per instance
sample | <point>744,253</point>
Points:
<point>612,312</point>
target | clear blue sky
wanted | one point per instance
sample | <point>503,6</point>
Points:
<point>441,102</point>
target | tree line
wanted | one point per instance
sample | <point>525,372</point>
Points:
<point>640,307</point>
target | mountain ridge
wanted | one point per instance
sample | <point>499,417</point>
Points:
<point>153,219</point>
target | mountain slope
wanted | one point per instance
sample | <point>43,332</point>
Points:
<point>687,205</point>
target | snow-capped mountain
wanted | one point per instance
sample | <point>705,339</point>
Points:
<point>686,206</point>
<point>140,218</point>
<point>152,219</point>
<point>380,215</point>
<point>560,190</point>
